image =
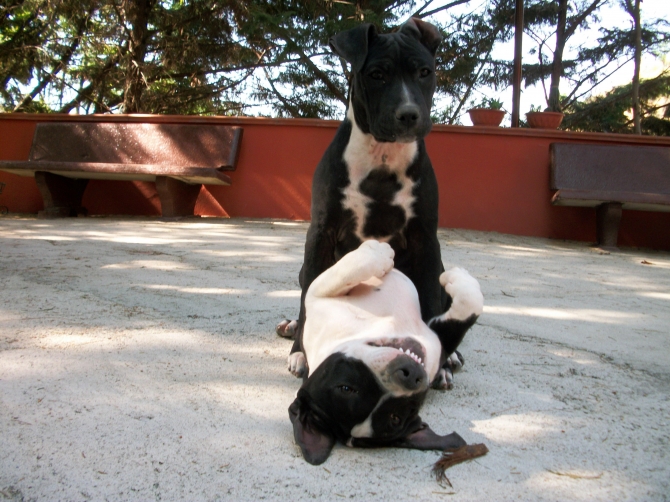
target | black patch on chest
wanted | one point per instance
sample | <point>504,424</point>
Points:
<point>383,217</point>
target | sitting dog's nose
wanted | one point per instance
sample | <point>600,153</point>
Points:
<point>410,375</point>
<point>408,115</point>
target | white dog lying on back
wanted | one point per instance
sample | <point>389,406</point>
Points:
<point>368,359</point>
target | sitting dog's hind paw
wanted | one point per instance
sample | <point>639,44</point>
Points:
<point>444,380</point>
<point>297,364</point>
<point>286,329</point>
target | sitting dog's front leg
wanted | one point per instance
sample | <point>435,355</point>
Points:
<point>465,305</point>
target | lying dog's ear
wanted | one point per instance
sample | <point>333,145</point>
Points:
<point>353,45</point>
<point>315,445</point>
<point>424,438</point>
<point>425,32</point>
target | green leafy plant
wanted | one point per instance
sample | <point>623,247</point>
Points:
<point>492,104</point>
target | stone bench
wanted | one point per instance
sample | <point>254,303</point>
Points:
<point>178,158</point>
<point>610,178</point>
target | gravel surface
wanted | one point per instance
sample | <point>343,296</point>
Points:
<point>138,361</point>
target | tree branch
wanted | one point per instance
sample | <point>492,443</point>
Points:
<point>439,9</point>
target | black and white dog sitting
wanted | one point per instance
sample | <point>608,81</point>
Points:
<point>375,182</point>
<point>371,356</point>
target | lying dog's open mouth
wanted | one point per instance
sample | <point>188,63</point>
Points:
<point>408,346</point>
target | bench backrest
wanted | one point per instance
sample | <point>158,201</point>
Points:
<point>187,145</point>
<point>605,168</point>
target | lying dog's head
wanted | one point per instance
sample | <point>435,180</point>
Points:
<point>366,394</point>
<point>393,78</point>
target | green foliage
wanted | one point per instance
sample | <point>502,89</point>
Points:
<point>612,111</point>
<point>492,104</point>
<point>271,57</point>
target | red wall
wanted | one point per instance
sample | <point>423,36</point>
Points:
<point>494,179</point>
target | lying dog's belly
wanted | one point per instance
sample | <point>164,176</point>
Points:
<point>377,313</point>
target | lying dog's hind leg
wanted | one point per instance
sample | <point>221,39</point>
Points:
<point>371,259</point>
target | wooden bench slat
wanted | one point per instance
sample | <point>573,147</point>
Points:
<point>151,144</point>
<point>100,170</point>
<point>592,198</point>
<point>608,168</point>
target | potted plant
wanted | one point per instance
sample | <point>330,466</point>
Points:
<point>538,119</point>
<point>487,113</point>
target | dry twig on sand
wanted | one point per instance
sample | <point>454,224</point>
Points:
<point>456,456</point>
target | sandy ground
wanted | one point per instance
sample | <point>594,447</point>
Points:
<point>138,362</point>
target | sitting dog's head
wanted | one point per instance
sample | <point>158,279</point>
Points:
<point>392,78</point>
<point>367,394</point>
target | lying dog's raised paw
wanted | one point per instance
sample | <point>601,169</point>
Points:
<point>375,257</point>
<point>286,329</point>
<point>297,364</point>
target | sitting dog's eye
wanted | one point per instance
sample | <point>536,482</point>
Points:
<point>345,389</point>
<point>425,72</point>
<point>395,420</point>
<point>377,75</point>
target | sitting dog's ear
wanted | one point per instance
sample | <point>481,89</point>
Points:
<point>353,44</point>
<point>427,34</point>
<point>424,438</point>
<point>315,445</point>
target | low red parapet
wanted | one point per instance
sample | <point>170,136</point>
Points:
<point>490,178</point>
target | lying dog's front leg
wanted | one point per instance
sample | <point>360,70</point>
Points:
<point>465,306</point>
<point>371,259</point>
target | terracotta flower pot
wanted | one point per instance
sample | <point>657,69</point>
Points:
<point>544,120</point>
<point>486,116</point>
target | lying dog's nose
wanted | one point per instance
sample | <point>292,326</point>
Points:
<point>410,375</point>
<point>408,115</point>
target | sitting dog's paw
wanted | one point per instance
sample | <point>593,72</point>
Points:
<point>375,257</point>
<point>286,329</point>
<point>455,361</point>
<point>444,380</point>
<point>297,364</point>
<point>465,293</point>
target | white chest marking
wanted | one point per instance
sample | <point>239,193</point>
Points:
<point>362,155</point>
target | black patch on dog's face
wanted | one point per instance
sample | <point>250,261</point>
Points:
<point>343,392</point>
<point>394,420</point>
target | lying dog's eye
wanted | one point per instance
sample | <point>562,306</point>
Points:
<point>425,72</point>
<point>345,389</point>
<point>395,420</point>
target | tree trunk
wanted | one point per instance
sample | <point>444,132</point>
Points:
<point>554,104</point>
<point>638,57</point>
<point>137,15</point>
